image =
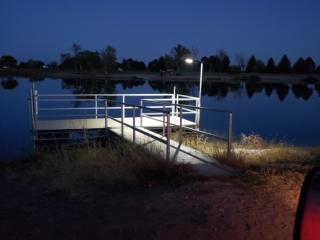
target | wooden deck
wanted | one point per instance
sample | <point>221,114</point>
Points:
<point>92,123</point>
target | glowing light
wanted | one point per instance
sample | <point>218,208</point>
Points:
<point>189,60</point>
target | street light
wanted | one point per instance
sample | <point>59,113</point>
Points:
<point>191,61</point>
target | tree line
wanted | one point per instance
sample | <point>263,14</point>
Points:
<point>80,60</point>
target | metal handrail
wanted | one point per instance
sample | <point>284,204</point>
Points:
<point>134,128</point>
<point>196,107</point>
<point>229,132</point>
<point>106,95</point>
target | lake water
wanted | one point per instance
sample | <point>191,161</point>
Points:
<point>289,113</point>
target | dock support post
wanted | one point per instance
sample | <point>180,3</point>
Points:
<point>229,135</point>
<point>134,125</point>
<point>168,137</point>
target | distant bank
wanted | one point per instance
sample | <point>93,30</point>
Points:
<point>150,76</point>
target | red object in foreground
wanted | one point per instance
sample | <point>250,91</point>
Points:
<point>310,227</point>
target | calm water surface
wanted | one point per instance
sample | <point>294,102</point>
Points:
<point>275,111</point>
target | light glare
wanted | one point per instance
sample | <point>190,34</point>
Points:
<point>189,60</point>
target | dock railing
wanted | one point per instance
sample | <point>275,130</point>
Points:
<point>151,105</point>
<point>93,104</point>
<point>166,117</point>
<point>185,109</point>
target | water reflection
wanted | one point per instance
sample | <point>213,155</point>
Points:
<point>96,86</point>
<point>9,83</point>
<point>219,90</point>
<point>167,87</point>
<point>303,91</point>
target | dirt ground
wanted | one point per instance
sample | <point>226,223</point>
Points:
<point>238,208</point>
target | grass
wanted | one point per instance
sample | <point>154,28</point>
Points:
<point>78,169</point>
<point>251,152</point>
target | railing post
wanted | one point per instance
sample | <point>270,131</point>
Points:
<point>106,114</point>
<point>36,104</point>
<point>168,137</point>
<point>31,109</point>
<point>134,125</point>
<point>32,119</point>
<point>141,112</point>
<point>96,104</point>
<point>198,113</point>
<point>180,129</point>
<point>122,118</point>
<point>177,101</point>
<point>124,109</point>
<point>174,110</point>
<point>229,135</point>
<point>173,105</point>
<point>163,121</point>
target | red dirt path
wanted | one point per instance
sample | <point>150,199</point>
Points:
<point>214,209</point>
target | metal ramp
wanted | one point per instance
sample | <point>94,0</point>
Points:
<point>131,121</point>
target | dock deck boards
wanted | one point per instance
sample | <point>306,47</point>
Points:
<point>99,123</point>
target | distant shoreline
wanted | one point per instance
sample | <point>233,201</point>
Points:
<point>185,77</point>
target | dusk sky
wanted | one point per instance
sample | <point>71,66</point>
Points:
<point>145,29</point>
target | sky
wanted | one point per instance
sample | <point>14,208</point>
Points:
<point>146,29</point>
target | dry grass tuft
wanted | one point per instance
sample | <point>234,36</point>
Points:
<point>252,152</point>
<point>81,168</point>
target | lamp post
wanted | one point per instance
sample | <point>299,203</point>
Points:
<point>191,61</point>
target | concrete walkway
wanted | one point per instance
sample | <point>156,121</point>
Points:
<point>204,164</point>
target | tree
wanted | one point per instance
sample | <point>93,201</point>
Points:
<point>310,65</point>
<point>88,61</point>
<point>251,64</point>
<point>318,69</point>
<point>66,61</point>
<point>284,65</point>
<point>131,65</point>
<point>215,64</point>
<point>75,48</point>
<point>259,67</point>
<point>35,64</point>
<point>234,69</point>
<point>8,61</point>
<point>52,65</point>
<point>240,59</point>
<point>225,63</point>
<point>206,64</point>
<point>154,66</point>
<point>271,66</point>
<point>179,53</point>
<point>169,62</point>
<point>221,54</point>
<point>109,58</point>
<point>300,66</point>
